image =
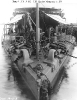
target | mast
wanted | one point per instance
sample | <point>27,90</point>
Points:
<point>37,31</point>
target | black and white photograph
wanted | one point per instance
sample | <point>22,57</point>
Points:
<point>38,49</point>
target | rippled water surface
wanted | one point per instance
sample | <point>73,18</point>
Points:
<point>11,89</point>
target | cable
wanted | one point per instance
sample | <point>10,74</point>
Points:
<point>42,18</point>
<point>46,77</point>
<point>32,20</point>
<point>43,6</point>
<point>71,55</point>
<point>66,50</point>
<point>32,11</point>
<point>71,65</point>
<point>68,42</point>
<point>61,57</point>
<point>44,21</point>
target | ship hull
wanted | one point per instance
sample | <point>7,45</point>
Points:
<point>30,77</point>
<point>27,79</point>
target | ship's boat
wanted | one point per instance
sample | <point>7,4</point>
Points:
<point>38,51</point>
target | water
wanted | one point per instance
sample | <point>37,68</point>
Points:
<point>68,88</point>
<point>15,89</point>
<point>11,88</point>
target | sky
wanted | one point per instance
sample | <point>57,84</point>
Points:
<point>69,7</point>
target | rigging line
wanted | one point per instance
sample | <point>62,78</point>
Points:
<point>71,65</point>
<point>44,22</point>
<point>68,42</point>
<point>33,11</point>
<point>29,13</point>
<point>71,55</point>
<point>32,21</point>
<point>67,54</point>
<point>54,16</point>
<point>44,13</point>
<point>43,6</point>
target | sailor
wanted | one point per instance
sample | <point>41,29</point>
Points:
<point>51,34</point>
<point>10,31</point>
<point>28,24</point>
<point>75,34</point>
<point>51,31</point>
<point>19,26</point>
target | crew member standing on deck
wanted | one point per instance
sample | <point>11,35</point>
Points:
<point>75,34</point>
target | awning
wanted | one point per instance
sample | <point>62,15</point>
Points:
<point>54,17</point>
<point>57,18</point>
<point>16,18</point>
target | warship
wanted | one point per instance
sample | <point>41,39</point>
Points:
<point>39,47</point>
